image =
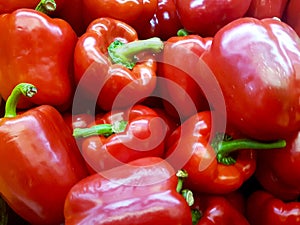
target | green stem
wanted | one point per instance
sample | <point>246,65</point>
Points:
<point>25,89</point>
<point>224,147</point>
<point>182,33</point>
<point>188,196</point>
<point>181,175</point>
<point>100,129</point>
<point>46,6</point>
<point>196,216</point>
<point>126,54</point>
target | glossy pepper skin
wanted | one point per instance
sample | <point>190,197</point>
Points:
<point>264,208</point>
<point>205,174</point>
<point>217,209</point>
<point>141,192</point>
<point>39,50</point>
<point>100,77</point>
<point>141,136</point>
<point>278,170</point>
<point>39,162</point>
<point>259,77</point>
<point>179,55</point>
<point>291,15</point>
<point>261,9</point>
<point>127,11</point>
<point>164,24</point>
<point>208,161</point>
<point>208,16</point>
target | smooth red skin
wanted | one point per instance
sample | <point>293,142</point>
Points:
<point>179,56</point>
<point>217,210</point>
<point>10,6</point>
<point>278,170</point>
<point>291,15</point>
<point>39,164</point>
<point>81,120</point>
<point>143,137</point>
<point>263,208</point>
<point>142,192</point>
<point>93,66</point>
<point>164,24</point>
<point>207,17</point>
<point>261,9</point>
<point>127,11</point>
<point>170,122</point>
<point>72,13</point>
<point>205,174</point>
<point>237,200</point>
<point>38,50</point>
<point>259,76</point>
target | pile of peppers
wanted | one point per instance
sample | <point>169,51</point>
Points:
<point>162,112</point>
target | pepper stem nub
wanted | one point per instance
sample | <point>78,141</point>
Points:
<point>224,145</point>
<point>126,53</point>
<point>46,6</point>
<point>26,89</point>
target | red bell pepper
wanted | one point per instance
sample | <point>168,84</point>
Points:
<point>211,163</point>
<point>121,136</point>
<point>179,55</point>
<point>127,11</point>
<point>291,15</point>
<point>103,77</point>
<point>261,9</point>
<point>164,24</point>
<point>38,160</point>
<point>259,76</point>
<point>214,209</point>
<point>278,170</point>
<point>141,192</point>
<point>80,120</point>
<point>264,208</point>
<point>39,50</point>
<point>207,17</point>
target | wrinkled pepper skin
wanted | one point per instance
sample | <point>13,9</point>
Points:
<point>179,55</point>
<point>39,163</point>
<point>143,136</point>
<point>142,192</point>
<point>216,210</point>
<point>261,9</point>
<point>206,17</point>
<point>94,70</point>
<point>259,76</point>
<point>39,50</point>
<point>278,170</point>
<point>127,11</point>
<point>265,209</point>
